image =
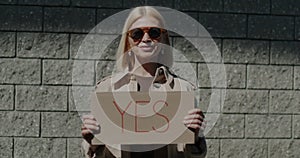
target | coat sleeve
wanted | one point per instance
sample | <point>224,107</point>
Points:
<point>197,150</point>
<point>99,152</point>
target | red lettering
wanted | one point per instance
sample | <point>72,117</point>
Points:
<point>163,116</point>
<point>122,112</point>
<point>136,115</point>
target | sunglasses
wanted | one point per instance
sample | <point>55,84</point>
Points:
<point>137,34</point>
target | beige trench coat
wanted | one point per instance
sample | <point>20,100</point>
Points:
<point>163,80</point>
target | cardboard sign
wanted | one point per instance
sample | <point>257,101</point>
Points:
<point>142,117</point>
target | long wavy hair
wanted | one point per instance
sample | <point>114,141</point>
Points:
<point>123,59</point>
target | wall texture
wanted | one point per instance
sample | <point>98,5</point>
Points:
<point>259,44</point>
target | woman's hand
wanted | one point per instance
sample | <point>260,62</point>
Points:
<point>89,127</point>
<point>194,120</point>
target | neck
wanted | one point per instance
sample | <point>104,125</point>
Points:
<point>148,69</point>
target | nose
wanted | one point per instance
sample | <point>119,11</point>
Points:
<point>146,37</point>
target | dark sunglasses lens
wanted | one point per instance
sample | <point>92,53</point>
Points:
<point>154,32</point>
<point>137,34</point>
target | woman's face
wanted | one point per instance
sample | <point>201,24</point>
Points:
<point>146,47</point>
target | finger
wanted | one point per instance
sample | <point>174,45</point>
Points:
<point>91,122</point>
<point>196,111</point>
<point>193,116</point>
<point>186,122</point>
<point>193,126</point>
<point>92,127</point>
<point>86,132</point>
<point>89,116</point>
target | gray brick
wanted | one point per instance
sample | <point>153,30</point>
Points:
<point>74,147</point>
<point>296,126</point>
<point>94,46</point>
<point>6,147</point>
<point>98,3</point>
<point>105,13</point>
<point>285,52</point>
<point>290,7</point>
<point>7,44</point>
<point>6,97</point>
<point>76,93</point>
<point>104,69</point>
<point>233,25</point>
<point>133,3</point>
<point>43,45</point>
<point>21,18</point>
<point>244,148</point>
<point>213,148</point>
<point>246,101</point>
<point>187,71</point>
<point>235,75</point>
<point>271,77</point>
<point>61,124</point>
<point>199,5</point>
<point>45,2</point>
<point>268,126</point>
<point>20,71</point>
<point>68,72</point>
<point>284,148</point>
<point>271,27</point>
<point>297,29</point>
<point>39,147</point>
<point>227,126</point>
<point>19,123</point>
<point>38,98</point>
<point>188,52</point>
<point>284,101</point>
<point>210,100</point>
<point>297,77</point>
<point>247,6</point>
<point>245,51</point>
<point>66,19</point>
<point>8,1</point>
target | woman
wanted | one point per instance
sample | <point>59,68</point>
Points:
<point>145,58</point>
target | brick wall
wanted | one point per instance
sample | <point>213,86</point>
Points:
<point>258,41</point>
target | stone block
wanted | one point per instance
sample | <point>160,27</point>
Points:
<point>285,52</point>
<point>19,123</point>
<point>6,97</point>
<point>270,77</point>
<point>40,98</point>
<point>285,102</point>
<point>271,27</point>
<point>61,124</point>
<point>94,46</point>
<point>210,100</point>
<point>79,98</point>
<point>187,71</point>
<point>7,44</point>
<point>20,71</point>
<point>297,29</point>
<point>245,51</point>
<point>268,126</point>
<point>247,6</point>
<point>246,101</point>
<point>288,7</point>
<point>199,5</point>
<point>104,69</point>
<point>205,50</point>
<point>244,148</point>
<point>6,147</point>
<point>74,147</point>
<point>233,25</point>
<point>213,148</point>
<point>68,72</point>
<point>215,75</point>
<point>226,126</point>
<point>66,19</point>
<point>42,45</point>
<point>39,147</point>
<point>297,77</point>
<point>8,1</point>
<point>296,126</point>
<point>284,148</point>
<point>105,13</point>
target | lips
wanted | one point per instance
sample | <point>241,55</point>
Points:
<point>146,48</point>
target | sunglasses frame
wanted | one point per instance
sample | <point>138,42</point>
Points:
<point>145,30</point>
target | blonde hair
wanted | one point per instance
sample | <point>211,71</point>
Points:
<point>123,60</point>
